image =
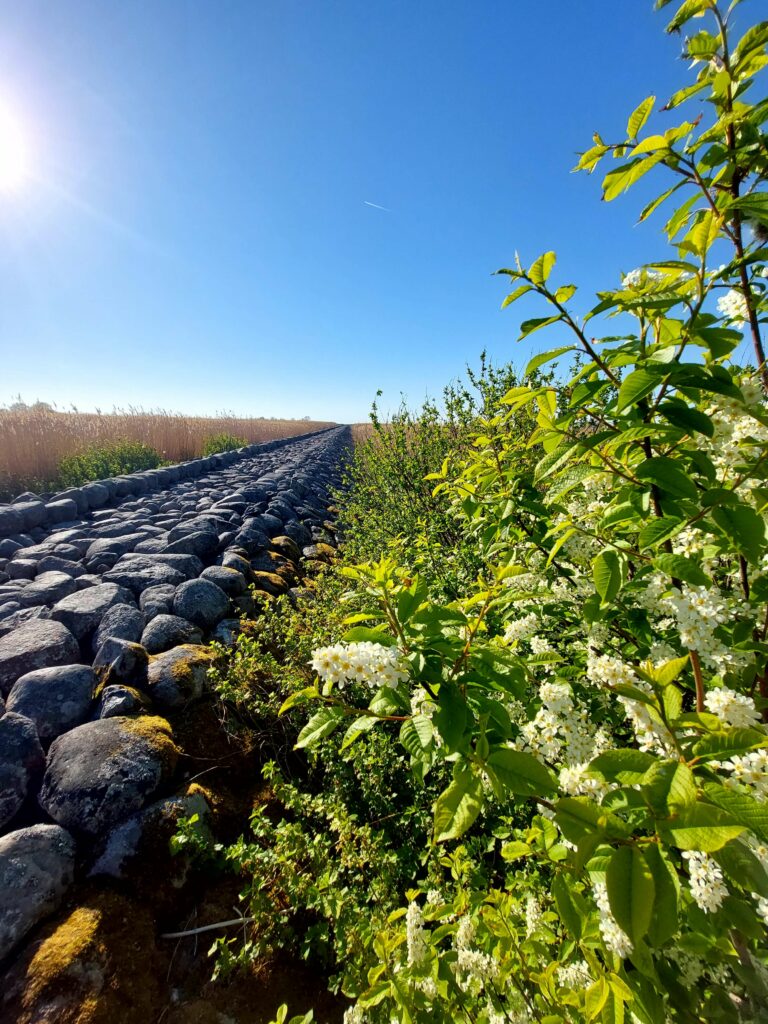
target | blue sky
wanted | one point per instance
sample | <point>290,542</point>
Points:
<point>194,233</point>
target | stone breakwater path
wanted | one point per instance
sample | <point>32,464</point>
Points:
<point>109,594</point>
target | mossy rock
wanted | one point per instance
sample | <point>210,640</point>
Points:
<point>269,583</point>
<point>179,675</point>
<point>97,964</point>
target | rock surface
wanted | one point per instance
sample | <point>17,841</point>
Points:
<point>55,699</point>
<point>39,643</point>
<point>21,762</point>
<point>102,771</point>
<point>37,867</point>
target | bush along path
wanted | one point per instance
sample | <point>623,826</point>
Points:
<point>104,624</point>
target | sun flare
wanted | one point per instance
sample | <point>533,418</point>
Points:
<point>13,152</point>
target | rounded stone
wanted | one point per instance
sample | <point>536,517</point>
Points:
<point>21,762</point>
<point>102,771</point>
<point>166,631</point>
<point>37,866</point>
<point>55,699</point>
<point>39,643</point>
<point>200,602</point>
<point>231,581</point>
<point>179,675</point>
<point>82,612</point>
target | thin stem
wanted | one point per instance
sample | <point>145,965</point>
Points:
<point>696,666</point>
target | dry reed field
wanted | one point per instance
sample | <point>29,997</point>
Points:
<point>34,439</point>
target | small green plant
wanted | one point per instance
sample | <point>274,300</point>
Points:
<point>217,443</point>
<point>106,459</point>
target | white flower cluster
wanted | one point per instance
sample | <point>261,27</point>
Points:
<point>705,880</point>
<point>736,710</point>
<point>749,770</point>
<point>733,306</point>
<point>699,611</point>
<point>615,938</point>
<point>422,703</point>
<point>532,915</point>
<point>521,629</point>
<point>414,935</point>
<point>561,728</point>
<point>366,662</point>
<point>736,430</point>
<point>354,1015</point>
<point>651,733</point>
<point>574,976</point>
<point>474,969</point>
<point>690,966</point>
<point>640,276</point>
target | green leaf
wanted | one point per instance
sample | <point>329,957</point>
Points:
<point>595,998</point>
<point>606,574</point>
<point>299,697</point>
<point>579,817</point>
<point>319,726</point>
<point>417,736</point>
<point>520,773</point>
<point>682,568</point>
<point>362,634</point>
<point>622,178</point>
<point>742,808</point>
<point>639,116</point>
<point>450,718</point>
<point>687,418</point>
<point>358,728</point>
<point>635,386</point>
<point>546,357</point>
<point>458,806</point>
<point>702,827</point>
<point>664,920</point>
<point>529,326</point>
<point>516,294</point>
<point>666,474</point>
<point>627,766</point>
<point>515,850</point>
<point>741,865</point>
<point>567,908</point>
<point>631,891</point>
<point>744,527</point>
<point>656,203</point>
<point>542,268</point>
<point>729,743</point>
<point>687,10</point>
<point>659,530</point>
<point>753,206</point>
<point>669,787</point>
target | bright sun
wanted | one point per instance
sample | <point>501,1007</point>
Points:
<point>13,152</point>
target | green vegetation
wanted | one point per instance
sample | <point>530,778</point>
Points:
<point>104,459</point>
<point>216,443</point>
<point>529,770</point>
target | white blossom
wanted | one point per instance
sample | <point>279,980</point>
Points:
<point>574,976</point>
<point>734,709</point>
<point>414,935</point>
<point>749,770</point>
<point>366,662</point>
<point>705,880</point>
<point>521,629</point>
<point>733,306</point>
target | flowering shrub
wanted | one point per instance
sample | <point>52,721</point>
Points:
<point>599,694</point>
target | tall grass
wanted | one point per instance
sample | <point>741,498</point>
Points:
<point>34,439</point>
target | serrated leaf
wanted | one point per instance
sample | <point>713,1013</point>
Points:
<point>729,743</point>
<point>639,116</point>
<point>606,575</point>
<point>687,418</point>
<point>669,787</point>
<point>358,728</point>
<point>542,267</point>
<point>520,773</point>
<point>657,531</point>
<point>744,527</point>
<point>635,386</point>
<point>682,568</point>
<point>666,474</point>
<point>567,908</point>
<point>622,178</point>
<point>319,726</point>
<point>631,891</point>
<point>702,827</point>
<point>530,326</point>
<point>664,920</point>
<point>742,808</point>
<point>513,296</point>
<point>458,806</point>
<point>546,357</point>
<point>626,765</point>
<point>450,718</point>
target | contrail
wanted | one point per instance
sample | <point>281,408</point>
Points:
<point>376,206</point>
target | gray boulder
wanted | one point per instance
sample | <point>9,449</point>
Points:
<point>102,771</point>
<point>157,600</point>
<point>37,866</point>
<point>39,643</point>
<point>166,631</point>
<point>231,581</point>
<point>123,621</point>
<point>55,699</point>
<point>203,544</point>
<point>132,849</point>
<point>121,662</point>
<point>48,588</point>
<point>143,571</point>
<point>21,762</point>
<point>117,700</point>
<point>61,511</point>
<point>82,612</point>
<point>200,602</point>
<point>179,675</point>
